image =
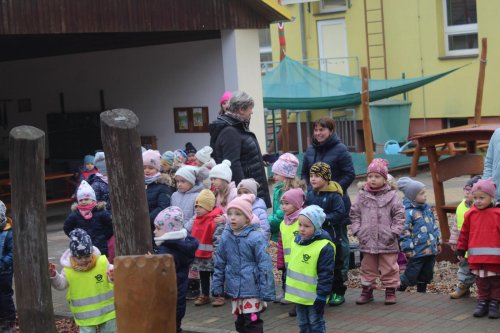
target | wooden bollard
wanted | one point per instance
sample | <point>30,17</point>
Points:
<point>145,294</point>
<point>27,175</point>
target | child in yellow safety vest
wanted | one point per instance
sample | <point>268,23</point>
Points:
<point>88,276</point>
<point>309,274</point>
<point>465,277</point>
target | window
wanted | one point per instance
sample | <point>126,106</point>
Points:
<point>266,51</point>
<point>460,27</point>
<point>330,6</point>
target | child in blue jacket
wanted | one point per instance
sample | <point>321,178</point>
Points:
<point>243,266</point>
<point>7,309</point>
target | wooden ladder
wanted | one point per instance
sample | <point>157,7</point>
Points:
<point>375,39</point>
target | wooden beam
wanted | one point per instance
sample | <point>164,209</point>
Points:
<point>32,284</point>
<point>480,81</point>
<point>367,128</point>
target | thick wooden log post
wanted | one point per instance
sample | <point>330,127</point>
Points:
<point>122,147</point>
<point>480,81</point>
<point>27,174</point>
<point>367,127</point>
<point>145,294</point>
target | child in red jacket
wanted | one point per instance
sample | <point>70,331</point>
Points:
<point>480,236</point>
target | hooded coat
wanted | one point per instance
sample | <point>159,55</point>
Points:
<point>158,195</point>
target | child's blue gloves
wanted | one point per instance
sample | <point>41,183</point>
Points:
<point>319,305</point>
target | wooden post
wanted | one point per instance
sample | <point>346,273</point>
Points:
<point>367,128</point>
<point>27,175</point>
<point>145,294</point>
<point>122,148</point>
<point>480,81</point>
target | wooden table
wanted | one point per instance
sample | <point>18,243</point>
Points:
<point>468,163</point>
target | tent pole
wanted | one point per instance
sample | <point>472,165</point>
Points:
<point>480,81</point>
<point>308,127</point>
<point>367,129</point>
<point>275,138</point>
<point>299,131</point>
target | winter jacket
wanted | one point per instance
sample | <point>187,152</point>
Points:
<point>260,210</point>
<point>278,214</point>
<point>186,200</point>
<point>421,235</point>
<point>158,195</point>
<point>232,193</point>
<point>330,199</point>
<point>84,173</point>
<point>243,268</point>
<point>492,161</point>
<point>6,248</point>
<point>232,140</point>
<point>462,208</point>
<point>101,189</point>
<point>168,178</point>
<point>183,252</point>
<point>378,220</point>
<point>203,230</point>
<point>99,227</point>
<point>480,236</point>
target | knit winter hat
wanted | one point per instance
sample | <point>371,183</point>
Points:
<point>410,187</point>
<point>295,196</point>
<point>170,219</point>
<point>316,215</point>
<point>485,185</point>
<point>321,169</point>
<point>222,171</point>
<point>100,163</point>
<point>151,158</point>
<point>286,165</point>
<point>80,243</point>
<point>226,96</point>
<point>379,165</point>
<point>168,156</point>
<point>190,149</point>
<point>3,216</point>
<point>243,203</point>
<point>206,199</point>
<point>88,159</point>
<point>85,191</point>
<point>179,158</point>
<point>472,180</point>
<point>189,173</point>
<point>249,184</point>
<point>203,155</point>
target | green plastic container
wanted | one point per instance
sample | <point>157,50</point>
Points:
<point>390,120</point>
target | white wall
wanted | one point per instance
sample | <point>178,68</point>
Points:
<point>150,81</point>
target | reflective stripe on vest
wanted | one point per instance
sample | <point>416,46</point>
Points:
<point>301,274</point>
<point>206,247</point>
<point>288,233</point>
<point>90,294</point>
<point>484,251</point>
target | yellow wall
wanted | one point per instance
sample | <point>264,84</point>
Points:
<point>414,42</point>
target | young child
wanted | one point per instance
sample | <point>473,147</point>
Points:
<point>224,101</point>
<point>328,194</point>
<point>91,216</point>
<point>82,264</point>
<point>171,238</point>
<point>167,171</point>
<point>465,277</point>
<point>191,154</point>
<point>285,178</point>
<point>225,189</point>
<point>480,236</point>
<point>99,180</point>
<point>158,194</point>
<point>87,168</point>
<point>180,158</point>
<point>243,268</point>
<point>207,232</point>
<point>377,221</point>
<point>420,240</point>
<point>7,308</point>
<point>204,157</point>
<point>291,204</point>
<point>310,270</point>
<point>259,209</point>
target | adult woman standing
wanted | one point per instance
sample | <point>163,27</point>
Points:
<point>327,148</point>
<point>232,140</point>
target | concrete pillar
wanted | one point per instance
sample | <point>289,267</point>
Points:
<point>241,64</point>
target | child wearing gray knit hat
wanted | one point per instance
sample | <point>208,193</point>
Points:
<point>410,187</point>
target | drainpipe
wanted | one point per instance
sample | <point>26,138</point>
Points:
<point>304,55</point>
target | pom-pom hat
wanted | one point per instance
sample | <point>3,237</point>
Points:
<point>222,171</point>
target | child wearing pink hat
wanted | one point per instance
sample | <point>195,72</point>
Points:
<point>224,101</point>
<point>480,236</point>
<point>250,186</point>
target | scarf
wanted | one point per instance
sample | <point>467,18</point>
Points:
<point>236,116</point>
<point>289,219</point>
<point>79,268</point>
<point>103,177</point>
<point>374,191</point>
<point>151,179</point>
<point>181,234</point>
<point>86,211</point>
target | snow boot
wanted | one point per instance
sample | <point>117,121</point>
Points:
<point>481,308</point>
<point>421,287</point>
<point>390,296</point>
<point>193,289</point>
<point>461,291</point>
<point>366,295</point>
<point>493,311</point>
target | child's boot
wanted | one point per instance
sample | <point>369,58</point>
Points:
<point>493,311</point>
<point>481,308</point>
<point>366,295</point>
<point>461,291</point>
<point>336,299</point>
<point>293,311</point>
<point>421,287</point>
<point>390,296</point>
<point>193,289</point>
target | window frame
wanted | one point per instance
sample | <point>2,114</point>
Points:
<point>335,9</point>
<point>462,29</point>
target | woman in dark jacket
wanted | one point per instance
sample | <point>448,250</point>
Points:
<point>232,140</point>
<point>326,147</point>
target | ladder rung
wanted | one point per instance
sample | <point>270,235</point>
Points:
<point>374,10</point>
<point>373,57</point>
<point>374,21</point>
<point>370,45</point>
<point>375,33</point>
<point>376,68</point>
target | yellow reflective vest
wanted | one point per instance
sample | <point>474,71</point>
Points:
<point>90,294</point>
<point>460,216</point>
<point>301,273</point>
<point>288,233</point>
